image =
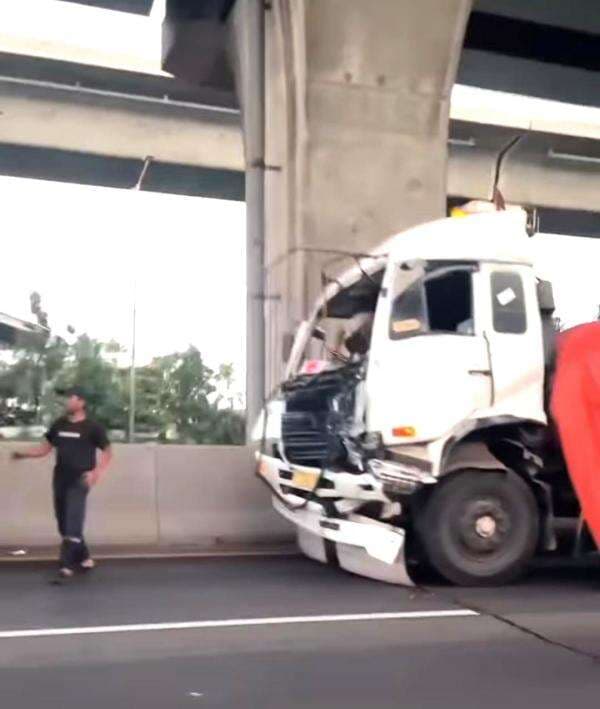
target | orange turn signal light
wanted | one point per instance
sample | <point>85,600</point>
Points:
<point>404,432</point>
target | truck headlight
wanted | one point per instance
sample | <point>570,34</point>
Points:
<point>271,431</point>
<point>404,479</point>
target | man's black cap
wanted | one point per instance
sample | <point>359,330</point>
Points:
<point>77,391</point>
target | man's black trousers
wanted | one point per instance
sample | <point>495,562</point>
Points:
<point>70,499</point>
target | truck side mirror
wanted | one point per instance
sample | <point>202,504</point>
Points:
<point>545,297</point>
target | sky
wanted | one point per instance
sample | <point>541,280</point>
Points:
<point>571,264</point>
<point>88,250</point>
<point>81,33</point>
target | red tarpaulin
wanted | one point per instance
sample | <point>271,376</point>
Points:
<point>576,411</point>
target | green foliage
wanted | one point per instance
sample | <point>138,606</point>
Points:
<point>177,395</point>
<point>87,367</point>
<point>35,365</point>
<point>178,398</point>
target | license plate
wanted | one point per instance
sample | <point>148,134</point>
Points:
<point>305,479</point>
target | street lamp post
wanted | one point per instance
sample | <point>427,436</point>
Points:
<point>132,384</point>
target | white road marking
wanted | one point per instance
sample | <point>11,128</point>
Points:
<point>145,556</point>
<point>235,623</point>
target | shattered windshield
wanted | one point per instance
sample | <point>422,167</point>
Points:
<point>342,330</point>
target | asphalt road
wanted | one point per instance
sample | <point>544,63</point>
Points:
<point>533,644</point>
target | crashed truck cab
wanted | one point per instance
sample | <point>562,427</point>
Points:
<point>403,429</point>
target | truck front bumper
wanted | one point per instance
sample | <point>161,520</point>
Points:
<point>354,542</point>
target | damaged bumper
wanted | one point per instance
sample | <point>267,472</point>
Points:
<point>364,547</point>
<point>356,543</point>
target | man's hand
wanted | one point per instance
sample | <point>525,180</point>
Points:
<point>17,455</point>
<point>91,478</point>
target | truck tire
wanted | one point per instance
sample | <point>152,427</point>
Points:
<point>480,528</point>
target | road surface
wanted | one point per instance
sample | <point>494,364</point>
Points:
<point>285,632</point>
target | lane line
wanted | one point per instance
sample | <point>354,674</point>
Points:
<point>235,623</point>
<point>292,550</point>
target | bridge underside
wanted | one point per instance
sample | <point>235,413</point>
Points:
<point>139,7</point>
<point>74,122</point>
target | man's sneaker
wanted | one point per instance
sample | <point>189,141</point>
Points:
<point>88,565</point>
<point>63,575</point>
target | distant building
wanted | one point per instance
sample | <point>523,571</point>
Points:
<point>19,333</point>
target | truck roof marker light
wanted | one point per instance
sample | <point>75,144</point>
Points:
<point>404,432</point>
<point>458,213</point>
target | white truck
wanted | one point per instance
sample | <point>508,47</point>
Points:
<point>412,425</point>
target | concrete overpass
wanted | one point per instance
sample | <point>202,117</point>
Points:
<point>194,131</point>
<point>75,122</point>
<point>377,115</point>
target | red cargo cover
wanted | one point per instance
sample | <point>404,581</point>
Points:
<point>576,411</point>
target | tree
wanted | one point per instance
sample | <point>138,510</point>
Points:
<point>105,388</point>
<point>149,416</point>
<point>34,366</point>
<point>178,394</point>
<point>225,378</point>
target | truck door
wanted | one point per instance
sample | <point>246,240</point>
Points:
<point>512,322</point>
<point>429,366</point>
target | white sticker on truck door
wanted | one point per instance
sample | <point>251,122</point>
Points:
<point>506,296</point>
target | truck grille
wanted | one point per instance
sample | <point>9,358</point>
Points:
<point>305,438</point>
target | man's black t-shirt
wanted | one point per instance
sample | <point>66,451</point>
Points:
<point>75,444</point>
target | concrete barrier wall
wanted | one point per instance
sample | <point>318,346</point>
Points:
<point>157,496</point>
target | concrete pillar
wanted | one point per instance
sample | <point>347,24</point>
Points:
<point>356,104</point>
<point>357,107</point>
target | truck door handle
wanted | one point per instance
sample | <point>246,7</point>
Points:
<point>481,372</point>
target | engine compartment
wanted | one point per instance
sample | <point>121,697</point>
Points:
<point>320,427</point>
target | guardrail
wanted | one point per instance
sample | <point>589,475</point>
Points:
<point>167,496</point>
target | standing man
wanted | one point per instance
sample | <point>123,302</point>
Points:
<point>76,438</point>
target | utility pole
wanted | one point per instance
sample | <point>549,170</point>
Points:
<point>249,34</point>
<point>131,427</point>
<point>132,384</point>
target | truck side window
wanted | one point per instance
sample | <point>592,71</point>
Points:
<point>508,303</point>
<point>450,303</point>
<point>440,304</point>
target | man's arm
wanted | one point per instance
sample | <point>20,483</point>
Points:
<point>39,451</point>
<point>101,441</point>
<point>93,477</point>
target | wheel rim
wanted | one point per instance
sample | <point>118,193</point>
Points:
<point>483,528</point>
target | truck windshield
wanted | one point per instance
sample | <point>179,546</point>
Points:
<point>341,331</point>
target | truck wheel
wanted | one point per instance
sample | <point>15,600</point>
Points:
<point>480,528</point>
